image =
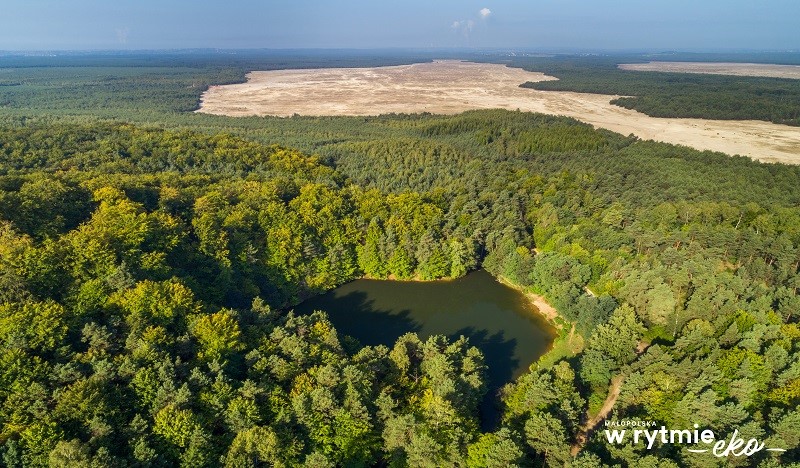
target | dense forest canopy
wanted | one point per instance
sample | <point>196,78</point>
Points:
<point>147,277</point>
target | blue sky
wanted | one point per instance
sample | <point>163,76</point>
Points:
<point>532,24</point>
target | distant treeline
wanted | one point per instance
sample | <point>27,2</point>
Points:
<point>660,94</point>
<point>123,85</point>
<point>155,87</point>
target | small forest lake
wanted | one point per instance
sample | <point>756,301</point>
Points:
<point>497,319</point>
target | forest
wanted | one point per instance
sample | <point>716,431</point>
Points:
<point>150,260</point>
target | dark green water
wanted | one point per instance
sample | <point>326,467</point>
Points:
<point>496,318</point>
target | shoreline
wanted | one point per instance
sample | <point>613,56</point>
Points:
<point>543,307</point>
<point>566,343</point>
<point>412,280</point>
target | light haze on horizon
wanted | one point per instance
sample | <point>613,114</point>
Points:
<point>27,25</point>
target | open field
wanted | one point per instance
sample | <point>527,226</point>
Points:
<point>714,68</point>
<point>450,87</point>
<point>441,87</point>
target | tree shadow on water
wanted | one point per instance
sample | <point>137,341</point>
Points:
<point>355,315</point>
<point>498,352</point>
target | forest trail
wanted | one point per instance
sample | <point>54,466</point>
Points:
<point>614,389</point>
<point>588,428</point>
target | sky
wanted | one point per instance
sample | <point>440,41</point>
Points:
<point>656,25</point>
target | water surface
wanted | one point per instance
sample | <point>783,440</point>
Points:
<point>498,319</point>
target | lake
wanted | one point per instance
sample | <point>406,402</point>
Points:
<point>496,318</point>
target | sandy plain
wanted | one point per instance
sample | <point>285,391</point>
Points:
<point>450,87</point>
<point>736,69</point>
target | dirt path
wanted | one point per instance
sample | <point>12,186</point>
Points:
<point>587,429</point>
<point>614,389</point>
<point>450,87</point>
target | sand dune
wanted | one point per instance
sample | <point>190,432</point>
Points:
<point>449,87</point>
<point>719,68</point>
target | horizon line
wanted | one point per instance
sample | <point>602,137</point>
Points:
<point>518,49</point>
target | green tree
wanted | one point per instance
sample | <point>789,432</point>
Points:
<point>36,326</point>
<point>497,449</point>
<point>218,335</point>
<point>253,447</point>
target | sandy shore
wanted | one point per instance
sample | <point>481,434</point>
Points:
<point>719,68</point>
<point>544,308</point>
<point>549,312</point>
<point>450,87</point>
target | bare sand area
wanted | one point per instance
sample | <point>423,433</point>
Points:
<point>450,87</point>
<point>721,68</point>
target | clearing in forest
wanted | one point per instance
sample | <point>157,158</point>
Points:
<point>450,87</point>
